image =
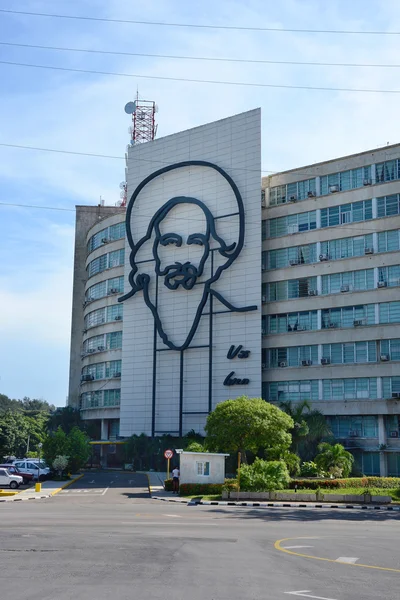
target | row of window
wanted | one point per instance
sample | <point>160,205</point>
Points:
<point>336,354</point>
<point>365,426</point>
<point>332,216</point>
<point>106,314</point>
<point>331,318</point>
<point>100,343</point>
<point>109,234</point>
<point>341,181</point>
<point>101,398</point>
<point>388,241</point>
<point>102,370</point>
<point>105,288</point>
<point>106,261</point>
<point>332,389</point>
<point>351,281</point>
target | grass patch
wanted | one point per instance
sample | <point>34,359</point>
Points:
<point>205,497</point>
<point>394,493</point>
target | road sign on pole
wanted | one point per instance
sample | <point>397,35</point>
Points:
<point>168,454</point>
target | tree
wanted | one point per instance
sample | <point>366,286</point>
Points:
<point>300,427</point>
<point>78,449</point>
<point>55,444</point>
<point>13,434</point>
<point>334,457</point>
<point>310,427</point>
<point>65,417</point>
<point>60,463</point>
<point>195,447</point>
<point>264,476</point>
<point>247,424</point>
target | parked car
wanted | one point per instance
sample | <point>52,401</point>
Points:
<point>34,468</point>
<point>10,479</point>
<point>27,477</point>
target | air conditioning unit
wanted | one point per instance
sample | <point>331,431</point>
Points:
<point>264,298</point>
<point>101,348</point>
<point>90,351</point>
<point>113,291</point>
<point>368,250</point>
<point>345,288</point>
<point>358,322</point>
<point>323,257</point>
<point>396,395</point>
<point>87,378</point>
<point>306,363</point>
<point>313,292</point>
<point>84,331</point>
<point>300,328</point>
<point>367,182</point>
<point>118,318</point>
<point>332,325</point>
<point>325,361</point>
<point>333,189</point>
<point>293,198</point>
<point>311,194</point>
<point>384,357</point>
<point>293,262</point>
<point>394,434</point>
<point>354,433</point>
<point>105,240</point>
<point>117,374</point>
<point>382,284</point>
<point>282,363</point>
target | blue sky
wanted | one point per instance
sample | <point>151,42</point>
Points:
<point>84,112</point>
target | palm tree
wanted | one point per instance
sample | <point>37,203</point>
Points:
<point>297,412</point>
<point>310,427</point>
<point>334,457</point>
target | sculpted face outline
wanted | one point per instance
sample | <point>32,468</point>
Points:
<point>183,274</point>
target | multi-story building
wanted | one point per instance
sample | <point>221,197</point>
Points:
<point>331,298</point>
<point>96,335</point>
<point>330,285</point>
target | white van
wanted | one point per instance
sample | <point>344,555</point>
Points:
<point>33,467</point>
<point>6,478</point>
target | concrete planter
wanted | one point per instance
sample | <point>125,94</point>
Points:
<point>299,497</point>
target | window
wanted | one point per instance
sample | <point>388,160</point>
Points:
<point>299,190</point>
<point>293,288</point>
<point>392,348</point>
<point>345,180</point>
<point>284,257</point>
<point>293,356</point>
<point>350,281</point>
<point>387,171</point>
<point>390,275</point>
<point>114,312</point>
<point>100,398</point>
<point>346,213</point>
<point>292,224</point>
<point>351,352</point>
<point>114,340</point>
<point>264,230</point>
<point>106,261</point>
<point>104,315</point>
<point>203,468</point>
<point>347,247</point>
<point>348,389</point>
<point>388,206</point>
<point>113,368</point>
<point>99,290</point>
<point>295,391</point>
<point>391,387</point>
<point>109,234</point>
<point>389,241</point>
<point>354,426</point>
<point>296,321</point>
<point>93,343</point>
<point>111,397</point>
<point>389,312</point>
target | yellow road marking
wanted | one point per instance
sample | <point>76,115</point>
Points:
<point>277,546</point>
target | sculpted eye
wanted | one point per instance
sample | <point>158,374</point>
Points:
<point>171,238</point>
<point>197,238</point>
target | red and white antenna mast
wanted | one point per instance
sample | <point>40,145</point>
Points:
<point>143,129</point>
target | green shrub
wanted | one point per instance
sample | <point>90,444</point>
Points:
<point>230,485</point>
<point>200,489</point>
<point>310,469</point>
<point>168,485</point>
<point>264,475</point>
<point>350,482</point>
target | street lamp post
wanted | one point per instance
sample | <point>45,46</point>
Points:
<point>40,447</point>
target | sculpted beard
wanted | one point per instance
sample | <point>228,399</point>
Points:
<point>180,274</point>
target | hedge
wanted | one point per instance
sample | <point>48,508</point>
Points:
<point>350,482</point>
<point>200,489</point>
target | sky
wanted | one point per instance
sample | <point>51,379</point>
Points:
<point>83,112</point>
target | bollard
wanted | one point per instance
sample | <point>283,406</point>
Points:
<point>38,487</point>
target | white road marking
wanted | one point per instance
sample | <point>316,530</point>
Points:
<point>105,491</point>
<point>176,516</point>
<point>347,559</point>
<point>91,481</point>
<point>131,481</point>
<point>305,594</point>
<point>111,482</point>
<point>291,547</point>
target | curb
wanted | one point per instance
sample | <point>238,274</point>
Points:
<point>278,504</point>
<point>49,495</point>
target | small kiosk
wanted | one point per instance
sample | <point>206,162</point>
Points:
<point>201,467</point>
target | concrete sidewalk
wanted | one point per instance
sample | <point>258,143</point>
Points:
<point>49,488</point>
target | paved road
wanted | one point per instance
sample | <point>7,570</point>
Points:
<point>105,538</point>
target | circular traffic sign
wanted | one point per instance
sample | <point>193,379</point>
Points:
<point>168,454</point>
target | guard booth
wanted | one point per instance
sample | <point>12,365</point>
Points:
<point>201,467</point>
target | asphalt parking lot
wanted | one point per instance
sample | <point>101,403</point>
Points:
<point>103,536</point>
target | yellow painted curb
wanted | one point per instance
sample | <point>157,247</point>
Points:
<point>67,484</point>
<point>278,546</point>
<point>8,493</point>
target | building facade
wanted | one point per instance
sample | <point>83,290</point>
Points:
<point>214,294</point>
<point>331,298</point>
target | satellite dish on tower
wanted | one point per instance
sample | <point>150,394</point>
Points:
<point>130,108</point>
<point>122,185</point>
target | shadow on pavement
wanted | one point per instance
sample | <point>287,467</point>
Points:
<point>309,515</point>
